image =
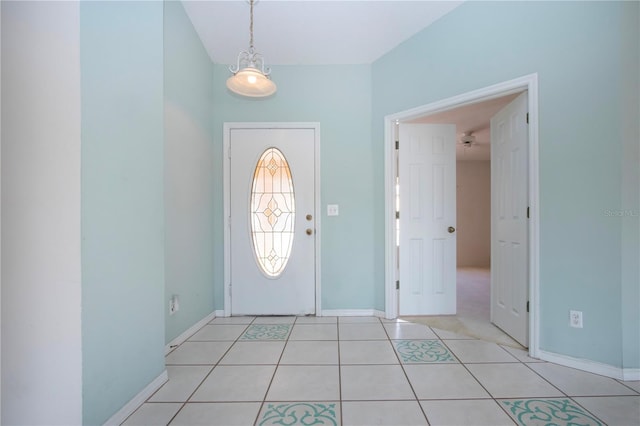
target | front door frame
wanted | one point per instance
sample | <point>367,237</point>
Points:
<point>226,170</point>
<point>528,83</point>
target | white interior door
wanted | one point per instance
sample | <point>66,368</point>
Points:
<point>427,188</point>
<point>272,207</point>
<point>509,223</point>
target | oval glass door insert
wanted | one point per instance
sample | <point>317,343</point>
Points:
<point>272,212</point>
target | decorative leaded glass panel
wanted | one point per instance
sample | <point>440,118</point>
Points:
<point>272,212</point>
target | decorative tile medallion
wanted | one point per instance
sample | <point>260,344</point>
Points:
<point>299,413</point>
<point>414,351</point>
<point>560,412</point>
<point>266,332</point>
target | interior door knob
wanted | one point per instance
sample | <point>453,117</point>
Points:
<point>451,229</point>
<point>309,231</point>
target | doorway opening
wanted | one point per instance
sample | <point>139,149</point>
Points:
<point>473,221</point>
<point>441,112</point>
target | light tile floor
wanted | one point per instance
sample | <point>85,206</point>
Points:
<point>368,371</point>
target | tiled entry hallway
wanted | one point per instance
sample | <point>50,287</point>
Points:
<point>368,371</point>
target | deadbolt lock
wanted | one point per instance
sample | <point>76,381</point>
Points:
<point>451,229</point>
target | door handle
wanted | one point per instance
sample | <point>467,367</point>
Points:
<point>451,229</point>
<point>309,231</point>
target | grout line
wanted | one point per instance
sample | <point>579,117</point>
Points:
<point>275,371</point>
<point>214,402</point>
<point>564,393</point>
<point>404,371</point>
<point>497,400</point>
<point>504,409</point>
<point>624,383</point>
<point>340,364</point>
<point>543,378</point>
<point>210,371</point>
<point>505,350</point>
<point>464,365</point>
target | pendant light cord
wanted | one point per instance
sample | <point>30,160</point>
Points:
<point>251,26</point>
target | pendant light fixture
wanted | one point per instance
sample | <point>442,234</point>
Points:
<point>250,77</point>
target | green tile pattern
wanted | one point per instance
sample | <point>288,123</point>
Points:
<point>422,351</point>
<point>267,332</point>
<point>560,412</point>
<point>300,413</point>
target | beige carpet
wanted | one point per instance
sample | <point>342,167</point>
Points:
<point>473,310</point>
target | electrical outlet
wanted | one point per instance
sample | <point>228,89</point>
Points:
<point>575,319</point>
<point>174,304</point>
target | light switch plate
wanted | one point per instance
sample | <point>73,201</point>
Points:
<point>332,210</point>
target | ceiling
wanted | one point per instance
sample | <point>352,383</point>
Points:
<point>308,32</point>
<point>332,32</point>
<point>471,119</point>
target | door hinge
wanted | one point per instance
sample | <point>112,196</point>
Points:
<point>398,285</point>
<point>397,215</point>
<point>527,306</point>
<point>397,144</point>
<point>528,212</point>
<point>527,118</point>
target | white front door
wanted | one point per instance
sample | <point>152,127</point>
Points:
<point>427,189</point>
<point>272,232</point>
<point>509,223</point>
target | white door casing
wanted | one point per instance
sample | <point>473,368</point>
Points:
<point>528,83</point>
<point>427,183</point>
<point>509,222</point>
<point>252,291</point>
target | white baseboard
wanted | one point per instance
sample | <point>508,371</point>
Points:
<point>219,313</point>
<point>630,374</point>
<point>352,313</point>
<point>131,406</point>
<point>189,332</point>
<point>591,366</point>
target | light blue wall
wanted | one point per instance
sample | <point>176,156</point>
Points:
<point>122,202</point>
<point>339,98</point>
<point>577,50</point>
<point>630,123</point>
<point>189,169</point>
